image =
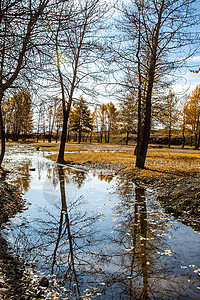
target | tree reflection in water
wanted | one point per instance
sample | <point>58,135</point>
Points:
<point>140,256</point>
<point>22,177</point>
<point>62,239</point>
<point>67,240</point>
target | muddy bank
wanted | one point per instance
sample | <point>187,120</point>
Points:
<point>182,199</point>
<point>17,280</point>
<point>11,201</point>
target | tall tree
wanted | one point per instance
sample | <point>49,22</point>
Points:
<point>128,114</point>
<point>112,119</point>
<point>102,121</point>
<point>155,33</point>
<point>18,116</point>
<point>58,117</point>
<point>169,114</point>
<point>19,28</point>
<point>78,50</point>
<point>192,114</point>
<point>95,120</point>
<point>182,113</point>
<point>80,118</point>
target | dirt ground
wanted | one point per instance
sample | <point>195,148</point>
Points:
<point>10,200</point>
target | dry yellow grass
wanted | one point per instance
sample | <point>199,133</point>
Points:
<point>173,156</point>
<point>128,157</point>
<point>53,146</point>
<point>100,157</point>
<point>159,165</point>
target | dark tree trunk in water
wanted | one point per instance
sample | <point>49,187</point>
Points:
<point>142,209</point>
<point>64,220</point>
<point>2,132</point>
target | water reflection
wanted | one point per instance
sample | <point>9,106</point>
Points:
<point>22,177</point>
<point>110,245</point>
<point>60,240</point>
<point>23,171</point>
<point>105,177</point>
<point>142,267</point>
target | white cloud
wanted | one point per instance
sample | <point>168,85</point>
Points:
<point>194,58</point>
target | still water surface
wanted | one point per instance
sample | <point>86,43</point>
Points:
<point>97,236</point>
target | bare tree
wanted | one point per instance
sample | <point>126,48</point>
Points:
<point>157,35</point>
<point>78,51</point>
<point>20,25</point>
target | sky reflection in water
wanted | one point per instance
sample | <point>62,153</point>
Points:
<point>102,237</point>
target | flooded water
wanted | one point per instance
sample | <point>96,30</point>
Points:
<point>97,236</point>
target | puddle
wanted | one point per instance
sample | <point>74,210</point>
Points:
<point>95,236</point>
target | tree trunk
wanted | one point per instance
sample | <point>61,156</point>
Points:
<point>127,137</point>
<point>63,138</point>
<point>142,146</point>
<point>139,131</point>
<point>101,137</point>
<point>79,137</point>
<point>191,140</point>
<point>108,141</point>
<point>198,143</point>
<point>2,132</point>
<point>183,134</point>
<point>144,134</point>
<point>75,137</point>
<point>195,141</point>
<point>144,129</point>
<point>68,137</point>
<point>169,138</point>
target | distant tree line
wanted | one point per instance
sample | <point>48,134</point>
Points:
<point>103,121</point>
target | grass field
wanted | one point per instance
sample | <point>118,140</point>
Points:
<point>160,162</point>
